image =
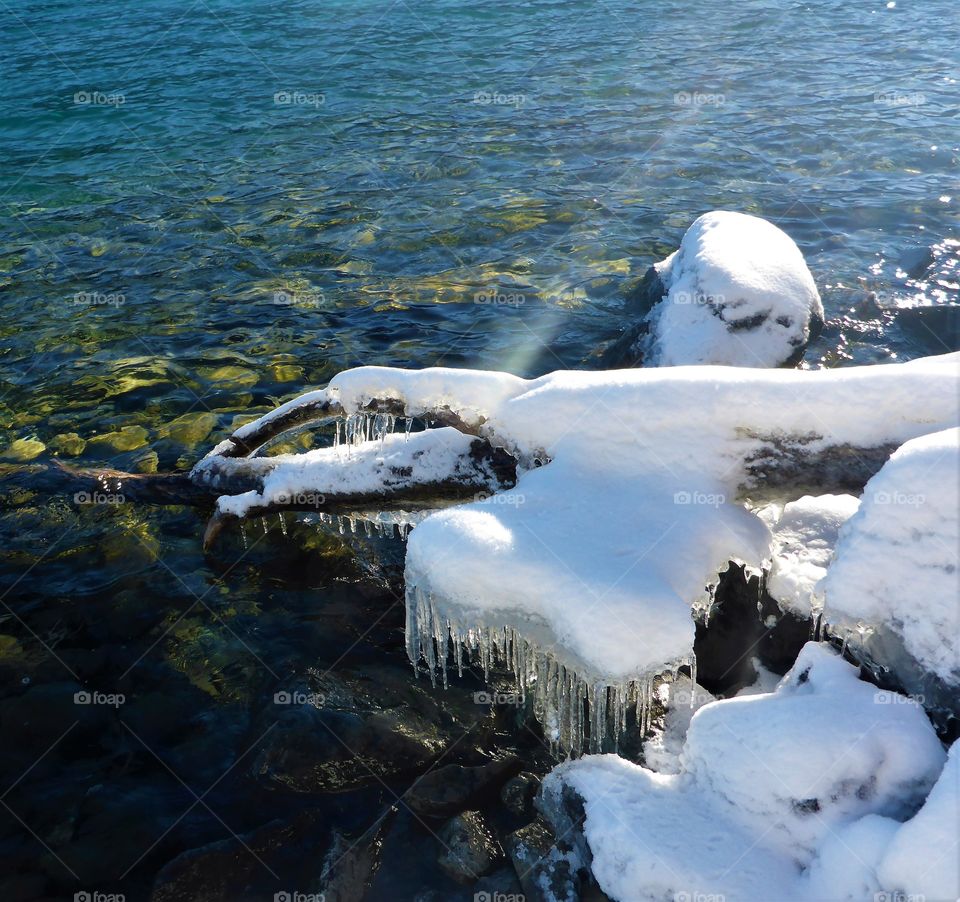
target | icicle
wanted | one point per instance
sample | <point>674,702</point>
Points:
<point>411,633</point>
<point>693,677</point>
<point>407,425</point>
<point>243,535</point>
<point>263,523</point>
<point>283,523</point>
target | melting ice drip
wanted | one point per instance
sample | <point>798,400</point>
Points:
<point>385,524</point>
<point>575,712</point>
<point>358,428</point>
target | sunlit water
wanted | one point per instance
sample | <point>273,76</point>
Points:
<point>207,207</point>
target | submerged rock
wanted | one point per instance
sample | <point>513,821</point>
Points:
<point>518,793</point>
<point>345,730</point>
<point>470,847</point>
<point>548,871</point>
<point>453,788</point>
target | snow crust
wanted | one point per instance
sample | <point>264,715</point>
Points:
<point>804,537</point>
<point>604,550</point>
<point>896,558</point>
<point>777,794</point>
<point>738,293</point>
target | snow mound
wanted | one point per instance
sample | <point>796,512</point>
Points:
<point>803,541</point>
<point>738,293</point>
<point>821,750</point>
<point>896,559</point>
<point>768,783</point>
<point>924,855</point>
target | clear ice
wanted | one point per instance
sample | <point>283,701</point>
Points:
<point>577,714</point>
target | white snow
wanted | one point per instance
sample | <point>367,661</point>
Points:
<point>369,467</point>
<point>896,559</point>
<point>601,554</point>
<point>770,785</point>
<point>923,857</point>
<point>739,293</point>
<point>821,750</point>
<point>804,537</point>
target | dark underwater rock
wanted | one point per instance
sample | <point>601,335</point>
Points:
<point>471,849</point>
<point>519,792</point>
<point>548,871</point>
<point>453,788</point>
<point>340,732</point>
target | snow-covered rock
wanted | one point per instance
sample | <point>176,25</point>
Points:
<point>769,783</point>
<point>738,293</point>
<point>923,857</point>
<point>804,537</point>
<point>896,563</point>
<point>823,749</point>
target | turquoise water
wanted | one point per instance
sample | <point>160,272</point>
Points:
<point>205,207</point>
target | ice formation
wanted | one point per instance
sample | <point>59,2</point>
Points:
<point>584,575</point>
<point>896,559</point>
<point>768,783</point>
<point>804,537</point>
<point>738,293</point>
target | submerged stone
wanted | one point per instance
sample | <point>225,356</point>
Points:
<point>24,449</point>
<point>470,848</point>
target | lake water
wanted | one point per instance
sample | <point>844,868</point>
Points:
<point>205,207</point>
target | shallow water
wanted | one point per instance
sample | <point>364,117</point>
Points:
<point>208,207</point>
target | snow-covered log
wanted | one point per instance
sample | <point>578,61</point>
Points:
<point>583,576</point>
